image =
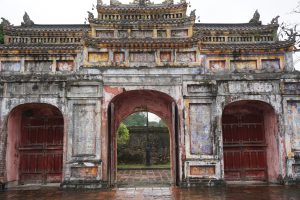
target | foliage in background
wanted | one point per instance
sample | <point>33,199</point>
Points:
<point>140,119</point>
<point>160,123</point>
<point>1,34</point>
<point>291,31</point>
<point>136,119</point>
<point>123,134</point>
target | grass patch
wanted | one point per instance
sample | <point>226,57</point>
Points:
<point>141,166</point>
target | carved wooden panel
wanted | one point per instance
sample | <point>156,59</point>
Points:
<point>200,129</point>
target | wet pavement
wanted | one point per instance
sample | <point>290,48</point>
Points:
<point>159,193</point>
<point>142,178</point>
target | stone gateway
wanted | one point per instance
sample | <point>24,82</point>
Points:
<point>228,94</point>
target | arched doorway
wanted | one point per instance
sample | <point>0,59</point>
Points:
<point>143,151</point>
<point>35,144</point>
<point>249,142</point>
<point>130,102</point>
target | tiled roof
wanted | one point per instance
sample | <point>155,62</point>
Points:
<point>22,46</point>
<point>248,46</point>
<point>143,22</point>
<point>234,27</point>
<point>142,42</point>
<point>50,27</point>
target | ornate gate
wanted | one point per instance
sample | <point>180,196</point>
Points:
<point>244,147</point>
<point>40,148</point>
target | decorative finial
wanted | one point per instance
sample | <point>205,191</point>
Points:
<point>115,2</point>
<point>99,2</point>
<point>168,2</point>
<point>193,13</point>
<point>26,20</point>
<point>5,22</point>
<point>275,20</point>
<point>141,2</point>
<point>255,18</point>
<point>90,15</point>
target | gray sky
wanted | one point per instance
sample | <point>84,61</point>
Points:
<point>209,11</point>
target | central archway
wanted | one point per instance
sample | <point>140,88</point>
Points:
<point>129,102</point>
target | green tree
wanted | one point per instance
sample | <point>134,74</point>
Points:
<point>160,123</point>
<point>123,134</point>
<point>136,119</point>
<point>1,34</point>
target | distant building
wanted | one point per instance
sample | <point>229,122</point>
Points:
<point>227,92</point>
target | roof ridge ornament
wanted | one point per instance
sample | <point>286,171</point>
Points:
<point>275,20</point>
<point>168,2</point>
<point>5,22</point>
<point>255,18</point>
<point>115,3</point>
<point>26,20</point>
<point>99,2</point>
<point>141,2</point>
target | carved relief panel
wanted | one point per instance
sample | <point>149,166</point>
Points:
<point>119,56</point>
<point>98,57</point>
<point>293,120</point>
<point>84,127</point>
<point>165,56</point>
<point>186,56</point>
<point>243,65</point>
<point>38,66</point>
<point>200,129</point>
<point>105,33</point>
<point>10,66</point>
<point>142,57</point>
<point>179,33</point>
<point>65,65</point>
<point>270,64</point>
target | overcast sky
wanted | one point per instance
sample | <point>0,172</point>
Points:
<point>209,11</point>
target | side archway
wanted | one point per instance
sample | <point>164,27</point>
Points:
<point>250,149</point>
<point>130,102</point>
<point>34,144</point>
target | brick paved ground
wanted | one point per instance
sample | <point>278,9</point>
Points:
<point>142,178</point>
<point>159,193</point>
